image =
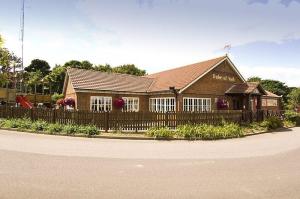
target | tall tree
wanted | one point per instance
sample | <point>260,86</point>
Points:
<point>294,98</point>
<point>38,65</point>
<point>9,62</point>
<point>1,41</point>
<point>77,64</point>
<point>129,69</point>
<point>56,78</point>
<point>277,87</point>
<point>73,64</point>
<point>34,80</point>
<point>86,65</point>
<point>103,68</point>
<point>254,79</point>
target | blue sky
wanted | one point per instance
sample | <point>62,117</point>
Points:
<point>160,34</point>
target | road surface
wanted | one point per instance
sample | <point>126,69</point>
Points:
<point>44,166</point>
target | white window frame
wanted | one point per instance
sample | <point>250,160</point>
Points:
<point>196,104</point>
<point>130,105</point>
<point>162,104</point>
<point>272,102</point>
<point>102,103</point>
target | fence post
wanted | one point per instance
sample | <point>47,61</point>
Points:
<point>6,111</point>
<point>31,114</point>
<point>54,116</point>
<point>106,118</point>
<point>167,119</point>
<point>12,112</point>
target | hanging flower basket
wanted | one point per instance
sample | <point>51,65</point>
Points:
<point>119,103</point>
<point>69,102</point>
<point>222,104</point>
<point>60,102</point>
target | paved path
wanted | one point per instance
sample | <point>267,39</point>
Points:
<point>41,166</point>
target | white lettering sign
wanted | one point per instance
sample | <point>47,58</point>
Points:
<point>223,77</point>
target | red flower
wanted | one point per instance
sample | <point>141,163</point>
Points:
<point>69,101</point>
<point>222,104</point>
<point>60,102</point>
<point>119,103</point>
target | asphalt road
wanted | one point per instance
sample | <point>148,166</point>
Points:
<point>41,166</point>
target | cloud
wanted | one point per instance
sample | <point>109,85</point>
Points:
<point>286,3</point>
<point>290,76</point>
<point>258,1</point>
<point>147,3</point>
<point>161,34</point>
<point>284,53</point>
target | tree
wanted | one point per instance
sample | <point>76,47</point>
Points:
<point>56,78</point>
<point>57,96</point>
<point>9,62</point>
<point>274,86</point>
<point>254,79</point>
<point>129,69</point>
<point>1,41</point>
<point>34,79</point>
<point>103,68</point>
<point>73,64</point>
<point>86,65</point>
<point>277,87</point>
<point>38,65</point>
<point>77,64</point>
<point>294,98</point>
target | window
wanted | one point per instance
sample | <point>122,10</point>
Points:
<point>196,104</point>
<point>100,103</point>
<point>269,102</point>
<point>264,102</point>
<point>162,104</point>
<point>131,104</point>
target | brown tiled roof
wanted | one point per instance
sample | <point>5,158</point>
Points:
<point>95,80</point>
<point>270,94</point>
<point>244,88</point>
<point>182,76</point>
<point>162,81</point>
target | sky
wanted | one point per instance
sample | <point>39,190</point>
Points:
<point>156,35</point>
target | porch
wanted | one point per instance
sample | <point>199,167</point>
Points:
<point>246,96</point>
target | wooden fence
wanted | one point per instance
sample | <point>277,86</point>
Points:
<point>134,121</point>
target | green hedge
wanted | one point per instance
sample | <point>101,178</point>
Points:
<point>210,132</point>
<point>43,126</point>
<point>198,132</point>
<point>160,133</point>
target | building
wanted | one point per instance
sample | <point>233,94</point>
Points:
<point>214,84</point>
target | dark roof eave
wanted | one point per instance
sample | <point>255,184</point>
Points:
<point>80,90</point>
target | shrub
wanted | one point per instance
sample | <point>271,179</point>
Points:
<point>272,123</point>
<point>256,126</point>
<point>24,123</point>
<point>89,130</point>
<point>70,129</point>
<point>54,128</point>
<point>288,123</point>
<point>160,133</point>
<point>210,132</point>
<point>187,131</point>
<point>10,123</point>
<point>39,125</point>
<point>231,130</point>
<point>293,117</point>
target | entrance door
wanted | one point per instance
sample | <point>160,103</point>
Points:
<point>237,104</point>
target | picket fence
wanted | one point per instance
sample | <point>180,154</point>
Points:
<point>135,121</point>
